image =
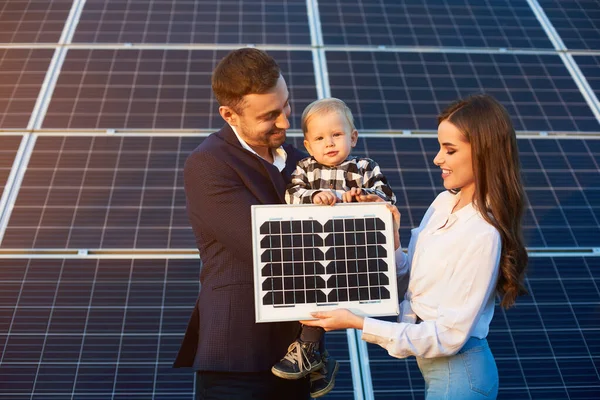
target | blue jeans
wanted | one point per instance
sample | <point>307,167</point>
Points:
<point>471,374</point>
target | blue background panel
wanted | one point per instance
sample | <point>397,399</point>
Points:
<point>545,347</point>
<point>590,68</point>
<point>406,91</point>
<point>103,192</point>
<point>194,21</point>
<point>8,152</point>
<point>33,21</point>
<point>450,23</point>
<point>576,21</point>
<point>22,73</point>
<point>155,89</point>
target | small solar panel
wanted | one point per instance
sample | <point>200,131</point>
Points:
<point>156,89</point>
<point>546,347</point>
<point>590,67</point>
<point>22,72</point>
<point>453,23</point>
<point>398,91</point>
<point>33,21</point>
<point>194,21</point>
<point>103,192</point>
<point>8,152</point>
<point>576,21</point>
<point>309,258</point>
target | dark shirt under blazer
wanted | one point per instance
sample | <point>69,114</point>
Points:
<point>222,182</point>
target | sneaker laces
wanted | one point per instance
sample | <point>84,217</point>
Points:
<point>296,355</point>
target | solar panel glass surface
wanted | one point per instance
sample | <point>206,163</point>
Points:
<point>450,23</point>
<point>156,89</point>
<point>194,21</point>
<point>398,91</point>
<point>22,72</point>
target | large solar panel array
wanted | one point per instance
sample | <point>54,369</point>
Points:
<point>87,328</point>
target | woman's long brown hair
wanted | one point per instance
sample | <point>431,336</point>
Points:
<point>499,194</point>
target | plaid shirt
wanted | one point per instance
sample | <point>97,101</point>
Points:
<point>310,177</point>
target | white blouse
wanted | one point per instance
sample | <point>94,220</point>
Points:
<point>453,261</point>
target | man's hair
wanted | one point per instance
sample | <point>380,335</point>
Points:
<point>241,72</point>
<point>324,106</point>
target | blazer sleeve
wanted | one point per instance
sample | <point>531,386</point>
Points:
<point>219,203</point>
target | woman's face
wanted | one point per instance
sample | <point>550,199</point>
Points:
<point>454,159</point>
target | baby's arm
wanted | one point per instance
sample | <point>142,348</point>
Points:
<point>374,182</point>
<point>300,190</point>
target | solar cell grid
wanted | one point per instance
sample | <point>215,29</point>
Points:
<point>187,21</point>
<point>544,347</point>
<point>577,22</point>
<point>33,21</point>
<point>590,68</point>
<point>89,328</point>
<point>156,89</point>
<point>103,192</point>
<point>21,77</point>
<point>398,91</point>
<point>453,23</point>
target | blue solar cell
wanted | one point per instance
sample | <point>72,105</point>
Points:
<point>132,191</point>
<point>375,75</point>
<point>576,22</point>
<point>538,344</point>
<point>33,21</point>
<point>456,23</point>
<point>112,89</point>
<point>194,21</point>
<point>115,335</point>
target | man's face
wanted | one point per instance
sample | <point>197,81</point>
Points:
<point>263,119</point>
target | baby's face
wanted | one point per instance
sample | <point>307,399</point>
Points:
<point>329,138</point>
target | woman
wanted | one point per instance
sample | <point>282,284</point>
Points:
<point>467,249</point>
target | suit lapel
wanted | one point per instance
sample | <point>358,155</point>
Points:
<point>254,162</point>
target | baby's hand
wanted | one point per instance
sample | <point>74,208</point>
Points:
<point>350,195</point>
<point>325,197</point>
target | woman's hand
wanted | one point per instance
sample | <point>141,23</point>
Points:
<point>336,319</point>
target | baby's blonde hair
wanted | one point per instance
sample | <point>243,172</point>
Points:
<point>323,106</point>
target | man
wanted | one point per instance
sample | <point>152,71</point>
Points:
<point>244,163</point>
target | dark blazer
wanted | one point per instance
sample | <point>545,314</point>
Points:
<point>222,181</point>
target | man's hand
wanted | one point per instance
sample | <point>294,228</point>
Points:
<point>325,197</point>
<point>336,319</point>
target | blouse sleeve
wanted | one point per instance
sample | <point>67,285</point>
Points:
<point>469,288</point>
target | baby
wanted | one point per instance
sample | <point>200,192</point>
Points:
<point>328,176</point>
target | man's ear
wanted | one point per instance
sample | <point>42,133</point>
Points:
<point>354,138</point>
<point>307,146</point>
<point>229,115</point>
